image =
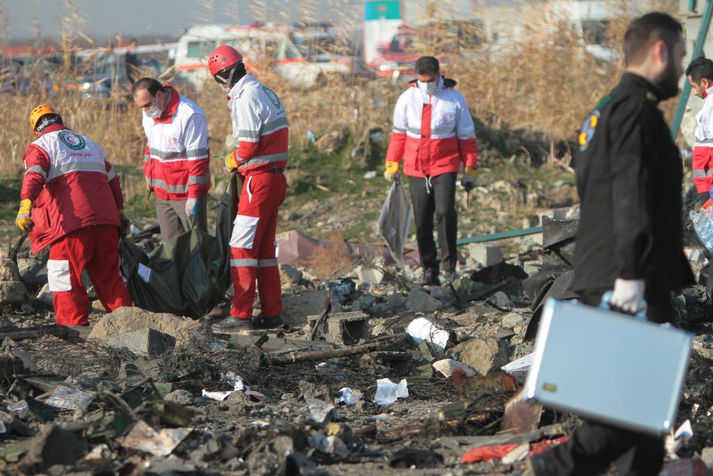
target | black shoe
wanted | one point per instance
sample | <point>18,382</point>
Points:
<point>265,322</point>
<point>430,278</point>
<point>234,324</point>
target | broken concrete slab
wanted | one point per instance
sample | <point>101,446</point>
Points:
<point>485,355</point>
<point>127,319</point>
<point>420,301</point>
<point>297,307</point>
<point>344,327</point>
<point>146,341</point>
<point>53,446</point>
<point>486,254</point>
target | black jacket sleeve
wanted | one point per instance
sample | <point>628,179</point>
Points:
<point>632,190</point>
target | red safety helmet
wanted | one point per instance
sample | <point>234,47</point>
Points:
<point>223,57</point>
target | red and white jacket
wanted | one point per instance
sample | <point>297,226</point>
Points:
<point>703,148</point>
<point>177,158</point>
<point>434,133</point>
<point>259,126</point>
<point>71,186</point>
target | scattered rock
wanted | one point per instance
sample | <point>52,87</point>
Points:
<point>500,300</point>
<point>127,319</point>
<point>485,355</point>
<point>289,275</point>
<point>8,270</point>
<point>420,301</point>
<point>512,320</point>
<point>146,341</point>
<point>12,293</point>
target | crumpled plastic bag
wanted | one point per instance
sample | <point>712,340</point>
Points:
<point>395,220</point>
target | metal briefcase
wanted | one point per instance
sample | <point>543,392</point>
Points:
<point>608,366</point>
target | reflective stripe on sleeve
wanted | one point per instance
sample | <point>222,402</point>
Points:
<point>266,263</point>
<point>38,170</point>
<point>245,262</point>
<point>198,179</point>
<point>264,159</point>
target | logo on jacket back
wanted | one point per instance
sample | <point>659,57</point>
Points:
<point>73,141</point>
<point>272,96</point>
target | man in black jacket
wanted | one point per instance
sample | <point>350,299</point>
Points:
<point>630,232</point>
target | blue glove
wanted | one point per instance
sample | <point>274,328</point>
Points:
<point>192,207</point>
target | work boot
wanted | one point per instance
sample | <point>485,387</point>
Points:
<point>265,322</point>
<point>430,278</point>
<point>234,324</point>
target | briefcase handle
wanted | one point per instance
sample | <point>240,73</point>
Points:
<point>606,305</point>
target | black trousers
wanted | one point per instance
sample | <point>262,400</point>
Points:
<point>434,198</point>
<point>594,446</point>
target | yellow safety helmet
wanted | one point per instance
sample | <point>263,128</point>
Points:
<point>38,112</point>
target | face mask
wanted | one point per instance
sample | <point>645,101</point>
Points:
<point>155,111</point>
<point>428,87</point>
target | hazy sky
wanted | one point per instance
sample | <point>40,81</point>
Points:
<point>106,18</point>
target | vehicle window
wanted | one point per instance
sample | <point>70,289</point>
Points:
<point>199,49</point>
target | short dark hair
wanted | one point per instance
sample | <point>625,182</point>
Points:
<point>646,30</point>
<point>427,65</point>
<point>700,68</point>
<point>150,84</point>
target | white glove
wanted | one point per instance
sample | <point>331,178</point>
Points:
<point>628,295</point>
<point>192,207</point>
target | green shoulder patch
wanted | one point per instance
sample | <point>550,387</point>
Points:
<point>589,126</point>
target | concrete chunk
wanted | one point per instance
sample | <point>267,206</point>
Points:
<point>12,293</point>
<point>484,355</point>
<point>487,255</point>
<point>420,301</point>
<point>345,327</point>
<point>146,341</point>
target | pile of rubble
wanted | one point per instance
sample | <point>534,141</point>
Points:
<point>370,374</point>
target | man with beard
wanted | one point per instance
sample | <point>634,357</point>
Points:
<point>630,231</point>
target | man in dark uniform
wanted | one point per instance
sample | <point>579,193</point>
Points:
<point>630,232</point>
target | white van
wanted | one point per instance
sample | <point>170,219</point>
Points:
<point>257,44</point>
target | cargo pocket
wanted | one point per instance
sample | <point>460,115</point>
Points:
<point>58,277</point>
<point>244,228</point>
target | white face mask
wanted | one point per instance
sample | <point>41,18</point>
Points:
<point>428,87</point>
<point>154,112</point>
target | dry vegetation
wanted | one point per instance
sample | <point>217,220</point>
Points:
<point>546,82</point>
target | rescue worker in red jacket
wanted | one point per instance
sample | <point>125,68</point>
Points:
<point>176,158</point>
<point>71,201</point>
<point>700,76</point>
<point>260,131</point>
<point>434,134</point>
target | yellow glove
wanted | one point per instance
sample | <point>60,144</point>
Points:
<point>23,220</point>
<point>470,171</point>
<point>230,163</point>
<point>392,168</point>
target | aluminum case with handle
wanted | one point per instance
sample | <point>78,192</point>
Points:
<point>608,366</point>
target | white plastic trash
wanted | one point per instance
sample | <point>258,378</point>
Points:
<point>518,368</point>
<point>348,396</point>
<point>387,392</point>
<point>421,329</point>
<point>446,367</point>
